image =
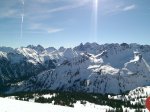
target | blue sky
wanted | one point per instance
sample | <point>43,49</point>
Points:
<point>70,22</point>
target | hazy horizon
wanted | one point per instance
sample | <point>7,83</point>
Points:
<point>57,47</point>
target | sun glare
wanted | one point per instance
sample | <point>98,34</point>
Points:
<point>95,8</point>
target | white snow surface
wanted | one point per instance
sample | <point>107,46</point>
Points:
<point>11,105</point>
<point>3,54</point>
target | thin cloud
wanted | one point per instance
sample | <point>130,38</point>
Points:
<point>62,8</point>
<point>54,30</point>
<point>118,8</point>
<point>42,28</point>
<point>35,26</point>
<point>67,7</point>
<point>44,10</point>
<point>10,13</point>
<point>9,9</point>
<point>128,8</point>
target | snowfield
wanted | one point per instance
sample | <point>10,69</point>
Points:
<point>10,105</point>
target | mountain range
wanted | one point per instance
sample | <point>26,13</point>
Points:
<point>90,67</point>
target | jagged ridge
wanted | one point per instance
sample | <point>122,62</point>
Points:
<point>108,68</point>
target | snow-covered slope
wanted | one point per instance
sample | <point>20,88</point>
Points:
<point>9,105</point>
<point>20,64</point>
<point>90,67</point>
<point>135,96</point>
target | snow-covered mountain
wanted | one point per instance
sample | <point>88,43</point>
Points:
<point>90,67</point>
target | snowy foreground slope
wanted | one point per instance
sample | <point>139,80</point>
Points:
<point>9,105</point>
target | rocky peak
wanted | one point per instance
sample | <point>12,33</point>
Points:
<point>37,48</point>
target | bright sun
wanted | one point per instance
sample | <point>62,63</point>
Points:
<point>96,3</point>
